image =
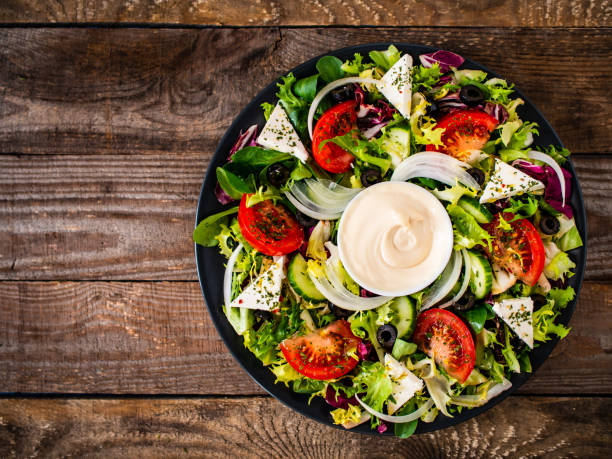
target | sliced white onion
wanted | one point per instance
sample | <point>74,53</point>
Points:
<point>398,419</point>
<point>342,298</point>
<point>227,276</point>
<point>539,156</point>
<point>437,166</point>
<point>445,282</point>
<point>311,212</point>
<point>331,86</point>
<point>467,272</point>
<point>320,198</point>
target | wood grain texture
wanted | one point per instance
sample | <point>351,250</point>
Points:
<point>157,338</point>
<point>555,13</point>
<point>131,217</point>
<point>126,91</point>
<point>262,427</point>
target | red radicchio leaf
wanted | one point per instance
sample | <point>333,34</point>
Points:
<point>245,139</point>
<point>382,427</point>
<point>221,195</point>
<point>497,111</point>
<point>445,60</point>
<point>339,400</point>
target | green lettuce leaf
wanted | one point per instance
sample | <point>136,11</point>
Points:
<point>374,381</point>
<point>207,230</point>
<point>467,231</point>
<point>385,59</point>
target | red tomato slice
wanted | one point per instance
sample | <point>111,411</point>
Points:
<point>444,337</point>
<point>323,354</point>
<point>338,120</point>
<point>269,227</point>
<point>466,130</point>
<point>519,250</point>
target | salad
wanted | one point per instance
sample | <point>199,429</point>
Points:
<point>341,277</point>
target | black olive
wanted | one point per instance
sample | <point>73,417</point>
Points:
<point>471,95</point>
<point>339,312</point>
<point>386,336</point>
<point>538,300</point>
<point>549,224</point>
<point>477,174</point>
<point>465,302</point>
<point>277,174</point>
<point>343,94</point>
<point>433,109</point>
<point>370,177</point>
<point>305,220</point>
<point>262,315</point>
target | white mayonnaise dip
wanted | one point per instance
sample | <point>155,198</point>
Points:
<point>395,238</point>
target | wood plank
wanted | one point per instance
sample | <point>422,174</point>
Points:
<point>522,13</point>
<point>262,427</point>
<point>105,91</point>
<point>157,338</point>
<point>131,217</point>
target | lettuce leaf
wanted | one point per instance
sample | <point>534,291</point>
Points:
<point>561,297</point>
<point>544,323</point>
<point>385,59</point>
<point>355,66</point>
<point>559,267</point>
<point>425,78</point>
<point>468,232</point>
<point>374,381</point>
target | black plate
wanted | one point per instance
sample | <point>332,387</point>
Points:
<point>211,264</point>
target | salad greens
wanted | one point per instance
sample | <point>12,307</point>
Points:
<point>286,292</point>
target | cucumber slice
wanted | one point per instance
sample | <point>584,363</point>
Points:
<point>475,209</point>
<point>481,278</point>
<point>300,282</point>
<point>406,315</point>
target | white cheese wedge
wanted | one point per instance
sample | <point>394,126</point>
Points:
<point>280,135</point>
<point>518,314</point>
<point>397,87</point>
<point>264,292</point>
<point>405,383</point>
<point>508,181</point>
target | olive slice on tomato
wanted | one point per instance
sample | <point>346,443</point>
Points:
<point>444,337</point>
<point>327,353</point>
<point>269,228</point>
<point>338,120</point>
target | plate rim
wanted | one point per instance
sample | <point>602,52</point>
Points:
<point>441,422</point>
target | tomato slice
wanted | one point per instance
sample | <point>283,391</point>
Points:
<point>338,120</point>
<point>269,227</point>
<point>444,337</point>
<point>466,130</point>
<point>519,250</point>
<point>323,354</point>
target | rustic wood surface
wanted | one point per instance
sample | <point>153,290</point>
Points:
<point>157,338</point>
<point>105,137</point>
<point>91,91</point>
<point>223,427</point>
<point>553,13</point>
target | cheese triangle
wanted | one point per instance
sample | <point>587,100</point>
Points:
<point>264,292</point>
<point>404,383</point>
<point>508,181</point>
<point>518,314</point>
<point>398,85</point>
<point>280,135</point>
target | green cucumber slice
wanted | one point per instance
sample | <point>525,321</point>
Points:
<point>475,209</point>
<point>481,278</point>
<point>300,281</point>
<point>406,315</point>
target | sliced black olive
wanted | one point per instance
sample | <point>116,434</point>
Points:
<point>343,94</point>
<point>538,300</point>
<point>339,312</point>
<point>262,315</point>
<point>477,174</point>
<point>466,301</point>
<point>370,177</point>
<point>277,174</point>
<point>549,224</point>
<point>471,95</point>
<point>386,336</point>
<point>305,220</point>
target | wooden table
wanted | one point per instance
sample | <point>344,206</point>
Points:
<point>106,347</point>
